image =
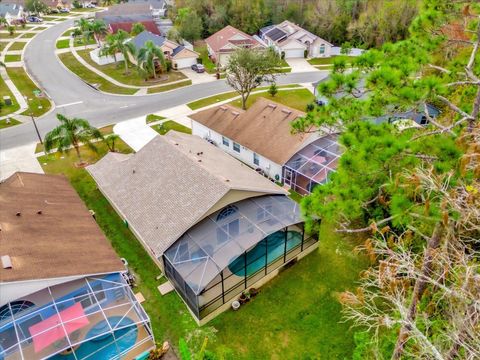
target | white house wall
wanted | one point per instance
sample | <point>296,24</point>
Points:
<point>271,169</point>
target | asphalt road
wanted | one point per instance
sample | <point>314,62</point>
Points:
<point>72,97</point>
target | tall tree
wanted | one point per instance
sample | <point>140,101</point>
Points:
<point>117,43</point>
<point>189,25</point>
<point>247,69</point>
<point>99,29</point>
<point>85,27</point>
<point>409,186</point>
<point>151,57</point>
<point>71,133</point>
<point>36,7</point>
<point>137,28</point>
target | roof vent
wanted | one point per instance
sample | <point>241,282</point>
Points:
<point>288,112</point>
<point>6,262</point>
<point>234,113</point>
<point>18,214</point>
<point>39,212</point>
<point>223,107</point>
<point>199,153</point>
<point>273,106</point>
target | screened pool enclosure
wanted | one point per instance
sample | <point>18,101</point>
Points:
<point>233,248</point>
<point>89,318</point>
<point>312,165</point>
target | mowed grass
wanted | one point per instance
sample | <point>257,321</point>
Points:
<point>168,125</point>
<point>297,99</point>
<point>63,44</point>
<point>194,105</point>
<point>37,105</point>
<point>28,35</point>
<point>132,77</point>
<point>158,89</point>
<point>12,58</point>
<point>209,65</point>
<point>11,122</point>
<point>17,46</point>
<point>5,91</point>
<point>91,78</point>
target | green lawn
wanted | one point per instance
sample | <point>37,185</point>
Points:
<point>295,316</point>
<point>37,105</point>
<point>209,65</point>
<point>17,46</point>
<point>79,41</point>
<point>5,91</point>
<point>68,32</point>
<point>152,118</point>
<point>158,89</point>
<point>168,125</point>
<point>117,72</point>
<point>13,122</point>
<point>297,99</point>
<point>91,78</point>
<point>7,36</point>
<point>194,105</point>
<point>63,43</point>
<point>41,28</point>
<point>12,58</point>
<point>28,35</point>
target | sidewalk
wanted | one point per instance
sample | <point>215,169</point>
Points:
<point>19,159</point>
<point>135,132</point>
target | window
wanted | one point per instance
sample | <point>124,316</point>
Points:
<point>256,159</point>
<point>236,147</point>
<point>225,141</point>
<point>322,49</point>
<point>226,212</point>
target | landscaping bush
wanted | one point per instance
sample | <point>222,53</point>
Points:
<point>310,107</point>
<point>305,53</point>
<point>282,55</point>
<point>168,65</point>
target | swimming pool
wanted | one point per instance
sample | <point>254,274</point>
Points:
<point>256,256</point>
<point>126,338</point>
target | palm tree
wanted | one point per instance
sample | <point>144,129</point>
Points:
<point>110,141</point>
<point>137,28</point>
<point>71,133</point>
<point>98,29</point>
<point>85,26</point>
<point>149,56</point>
<point>117,43</point>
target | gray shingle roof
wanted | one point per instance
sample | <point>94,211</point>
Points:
<point>140,40</point>
<point>171,184</point>
<point>114,19</point>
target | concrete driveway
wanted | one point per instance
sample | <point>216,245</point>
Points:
<point>198,78</point>
<point>300,65</point>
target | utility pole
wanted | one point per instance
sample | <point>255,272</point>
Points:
<point>34,122</point>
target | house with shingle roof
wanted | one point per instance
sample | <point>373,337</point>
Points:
<point>224,42</point>
<point>294,42</point>
<point>61,282</point>
<point>211,223</point>
<point>262,138</point>
<point>180,56</point>
<point>12,12</point>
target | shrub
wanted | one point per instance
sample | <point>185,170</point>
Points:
<point>273,90</point>
<point>282,55</point>
<point>168,65</point>
<point>310,107</point>
<point>305,53</point>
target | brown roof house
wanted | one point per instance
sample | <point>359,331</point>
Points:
<point>262,138</point>
<point>61,283</point>
<point>213,225</point>
<point>224,42</point>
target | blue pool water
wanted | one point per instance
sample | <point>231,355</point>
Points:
<point>256,256</point>
<point>126,338</point>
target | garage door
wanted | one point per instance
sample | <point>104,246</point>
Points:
<point>185,63</point>
<point>293,53</point>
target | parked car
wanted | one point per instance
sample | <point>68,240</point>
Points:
<point>90,6</point>
<point>64,10</point>
<point>34,19</point>
<point>199,68</point>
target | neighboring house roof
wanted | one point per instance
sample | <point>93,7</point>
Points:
<point>287,30</point>
<point>127,26</point>
<point>181,52</point>
<point>264,128</point>
<point>154,4</point>
<point>12,9</point>
<point>115,19</point>
<point>137,8</point>
<point>172,183</point>
<point>276,34</point>
<point>140,40</point>
<point>229,39</point>
<point>53,235</point>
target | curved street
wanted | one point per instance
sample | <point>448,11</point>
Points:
<point>72,97</point>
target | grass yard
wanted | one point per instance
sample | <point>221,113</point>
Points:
<point>5,91</point>
<point>28,35</point>
<point>79,41</point>
<point>12,122</point>
<point>152,118</point>
<point>295,316</point>
<point>63,44</point>
<point>37,105</point>
<point>297,99</point>
<point>68,32</point>
<point>117,72</point>
<point>158,89</point>
<point>91,78</point>
<point>194,105</point>
<point>210,67</point>
<point>168,125</point>
<point>41,27</point>
<point>8,36</point>
<point>17,46</point>
<point>12,58</point>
